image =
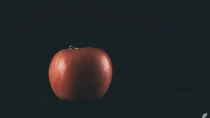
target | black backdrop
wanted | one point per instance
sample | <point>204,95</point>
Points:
<point>156,47</point>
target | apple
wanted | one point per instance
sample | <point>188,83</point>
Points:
<point>80,73</point>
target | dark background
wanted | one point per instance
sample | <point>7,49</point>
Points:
<point>159,51</point>
<point>156,47</point>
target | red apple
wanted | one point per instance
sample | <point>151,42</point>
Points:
<point>80,73</point>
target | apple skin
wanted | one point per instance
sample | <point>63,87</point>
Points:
<point>80,73</point>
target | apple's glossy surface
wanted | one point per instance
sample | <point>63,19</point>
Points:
<point>80,73</point>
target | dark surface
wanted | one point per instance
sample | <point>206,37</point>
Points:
<point>155,106</point>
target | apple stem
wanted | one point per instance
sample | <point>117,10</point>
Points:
<point>71,47</point>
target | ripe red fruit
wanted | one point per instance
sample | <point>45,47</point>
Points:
<point>80,73</point>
